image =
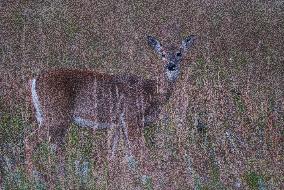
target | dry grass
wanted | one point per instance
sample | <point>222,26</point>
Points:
<point>231,89</point>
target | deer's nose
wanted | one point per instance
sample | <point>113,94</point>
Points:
<point>172,67</point>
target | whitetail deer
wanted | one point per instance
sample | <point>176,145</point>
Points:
<point>95,100</point>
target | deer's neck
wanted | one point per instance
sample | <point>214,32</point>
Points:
<point>165,91</point>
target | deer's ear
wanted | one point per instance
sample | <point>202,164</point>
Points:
<point>188,42</point>
<point>155,44</point>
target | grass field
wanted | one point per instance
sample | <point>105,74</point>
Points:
<point>223,127</point>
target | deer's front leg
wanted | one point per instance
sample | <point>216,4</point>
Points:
<point>136,153</point>
<point>57,140</point>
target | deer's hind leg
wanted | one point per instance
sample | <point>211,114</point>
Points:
<point>56,125</point>
<point>52,130</point>
<point>55,139</point>
<point>31,143</point>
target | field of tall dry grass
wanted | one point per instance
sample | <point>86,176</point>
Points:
<point>223,128</point>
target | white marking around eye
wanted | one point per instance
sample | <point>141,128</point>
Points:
<point>158,47</point>
<point>35,99</point>
<point>183,46</point>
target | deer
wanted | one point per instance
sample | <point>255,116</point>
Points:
<point>98,101</point>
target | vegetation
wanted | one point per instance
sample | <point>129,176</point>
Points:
<point>222,129</point>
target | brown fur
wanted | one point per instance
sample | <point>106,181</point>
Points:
<point>94,96</point>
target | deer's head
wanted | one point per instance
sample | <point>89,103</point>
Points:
<point>171,57</point>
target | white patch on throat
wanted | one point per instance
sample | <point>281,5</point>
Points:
<point>35,99</point>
